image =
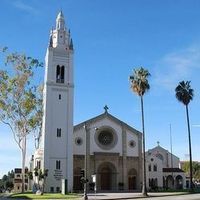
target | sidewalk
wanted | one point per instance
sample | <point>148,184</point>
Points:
<point>122,196</point>
<point>112,196</point>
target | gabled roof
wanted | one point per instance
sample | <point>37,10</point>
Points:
<point>162,149</point>
<point>109,116</point>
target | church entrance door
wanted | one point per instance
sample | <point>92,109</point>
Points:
<point>132,179</point>
<point>132,183</point>
<point>105,179</point>
<point>107,176</point>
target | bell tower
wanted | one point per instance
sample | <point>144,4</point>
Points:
<point>57,130</point>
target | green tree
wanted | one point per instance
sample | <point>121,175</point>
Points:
<point>20,100</point>
<point>184,94</point>
<point>40,176</point>
<point>140,85</point>
<point>195,169</point>
<point>6,183</point>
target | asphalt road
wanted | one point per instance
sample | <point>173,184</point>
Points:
<point>152,196</point>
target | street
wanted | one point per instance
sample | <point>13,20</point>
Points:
<point>156,196</point>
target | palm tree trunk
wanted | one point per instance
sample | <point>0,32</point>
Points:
<point>190,148</point>
<point>144,188</point>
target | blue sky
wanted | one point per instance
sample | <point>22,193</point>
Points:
<point>111,37</point>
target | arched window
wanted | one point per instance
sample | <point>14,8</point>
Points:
<point>156,182</point>
<point>58,164</point>
<point>38,164</point>
<point>60,74</point>
<point>155,168</point>
<point>149,168</point>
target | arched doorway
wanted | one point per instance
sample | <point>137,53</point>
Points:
<point>107,176</point>
<point>78,186</point>
<point>170,182</point>
<point>153,183</point>
<point>179,182</point>
<point>132,179</point>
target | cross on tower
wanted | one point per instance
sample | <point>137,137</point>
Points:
<point>158,143</point>
<point>106,108</point>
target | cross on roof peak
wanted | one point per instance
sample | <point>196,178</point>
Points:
<point>106,108</point>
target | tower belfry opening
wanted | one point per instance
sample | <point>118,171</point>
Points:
<point>60,74</point>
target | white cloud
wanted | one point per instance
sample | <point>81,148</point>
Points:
<point>177,66</point>
<point>24,7</point>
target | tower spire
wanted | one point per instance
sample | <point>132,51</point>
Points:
<point>60,21</point>
<point>60,35</point>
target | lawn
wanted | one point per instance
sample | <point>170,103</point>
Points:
<point>44,196</point>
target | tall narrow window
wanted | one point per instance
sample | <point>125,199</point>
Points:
<point>62,74</point>
<point>57,189</point>
<point>38,164</point>
<point>155,168</point>
<point>57,164</point>
<point>58,132</point>
<point>149,168</point>
<point>156,182</point>
<point>58,74</point>
<point>51,189</point>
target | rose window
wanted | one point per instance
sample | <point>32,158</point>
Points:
<point>105,138</point>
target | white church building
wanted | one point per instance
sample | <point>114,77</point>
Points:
<point>113,149</point>
<point>163,170</point>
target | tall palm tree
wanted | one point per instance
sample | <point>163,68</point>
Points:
<point>140,85</point>
<point>184,94</point>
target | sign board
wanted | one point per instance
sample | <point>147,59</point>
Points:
<point>64,186</point>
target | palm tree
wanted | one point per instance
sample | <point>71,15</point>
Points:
<point>184,94</point>
<point>140,85</point>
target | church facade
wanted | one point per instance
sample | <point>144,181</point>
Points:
<point>113,153</point>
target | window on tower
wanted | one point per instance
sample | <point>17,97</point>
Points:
<point>57,189</point>
<point>51,189</point>
<point>57,164</point>
<point>38,164</point>
<point>58,132</point>
<point>60,74</point>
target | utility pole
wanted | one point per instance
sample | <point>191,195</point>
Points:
<point>85,197</point>
<point>170,131</point>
